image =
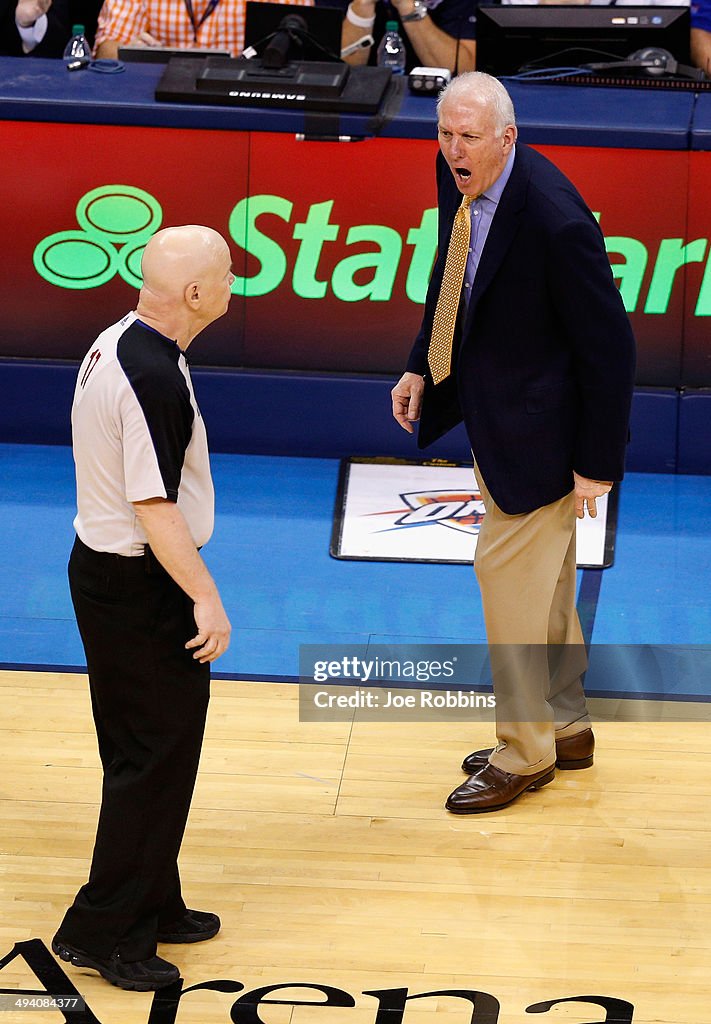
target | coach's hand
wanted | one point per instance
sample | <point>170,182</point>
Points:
<point>586,491</point>
<point>407,400</point>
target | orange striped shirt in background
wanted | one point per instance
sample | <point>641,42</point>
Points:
<point>169,22</point>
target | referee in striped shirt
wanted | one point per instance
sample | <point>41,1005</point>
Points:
<point>149,613</point>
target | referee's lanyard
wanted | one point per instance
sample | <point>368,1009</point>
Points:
<point>197,25</point>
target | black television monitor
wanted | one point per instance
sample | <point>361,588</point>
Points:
<point>518,37</point>
<point>322,41</point>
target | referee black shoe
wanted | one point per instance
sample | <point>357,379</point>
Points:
<point>193,926</point>
<point>136,975</point>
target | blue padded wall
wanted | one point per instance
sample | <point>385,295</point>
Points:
<point>329,416</point>
<point>36,401</point>
<point>695,431</point>
<point>653,431</point>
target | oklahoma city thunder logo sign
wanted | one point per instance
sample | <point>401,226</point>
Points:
<point>457,510</point>
<point>407,512</point>
<point>402,511</point>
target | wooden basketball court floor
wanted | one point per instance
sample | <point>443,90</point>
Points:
<point>327,852</point>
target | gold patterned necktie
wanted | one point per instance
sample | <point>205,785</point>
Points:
<point>439,353</point>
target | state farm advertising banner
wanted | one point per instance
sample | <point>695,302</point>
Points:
<point>333,243</point>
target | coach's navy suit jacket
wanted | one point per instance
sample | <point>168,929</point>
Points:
<point>544,356</point>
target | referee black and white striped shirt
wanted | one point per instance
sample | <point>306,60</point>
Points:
<point>137,434</point>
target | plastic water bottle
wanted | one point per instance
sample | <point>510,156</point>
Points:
<point>77,52</point>
<point>391,52</point>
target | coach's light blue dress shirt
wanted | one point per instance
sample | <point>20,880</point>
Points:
<point>482,213</point>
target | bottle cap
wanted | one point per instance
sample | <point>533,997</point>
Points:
<point>391,26</point>
<point>77,30</point>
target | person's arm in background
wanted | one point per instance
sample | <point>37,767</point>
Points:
<point>352,32</point>
<point>435,46</point>
<point>122,22</point>
<point>700,41</point>
<point>701,49</point>
<point>38,28</point>
<point>31,21</point>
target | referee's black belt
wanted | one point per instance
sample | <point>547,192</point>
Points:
<point>145,564</point>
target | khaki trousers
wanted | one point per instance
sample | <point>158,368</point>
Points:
<point>526,568</point>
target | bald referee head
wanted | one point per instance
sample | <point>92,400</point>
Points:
<point>187,276</point>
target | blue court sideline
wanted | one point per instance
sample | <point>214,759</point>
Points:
<point>270,556</point>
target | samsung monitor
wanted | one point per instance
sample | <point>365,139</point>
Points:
<point>512,38</point>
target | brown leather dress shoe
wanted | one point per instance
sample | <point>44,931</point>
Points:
<point>572,753</point>
<point>490,789</point>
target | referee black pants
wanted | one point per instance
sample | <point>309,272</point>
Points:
<point>149,699</point>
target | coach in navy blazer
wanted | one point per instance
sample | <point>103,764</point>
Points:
<point>542,374</point>
<point>545,352</point>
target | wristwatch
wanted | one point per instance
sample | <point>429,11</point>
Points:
<point>418,12</point>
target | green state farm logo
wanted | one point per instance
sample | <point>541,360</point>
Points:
<point>115,222</point>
